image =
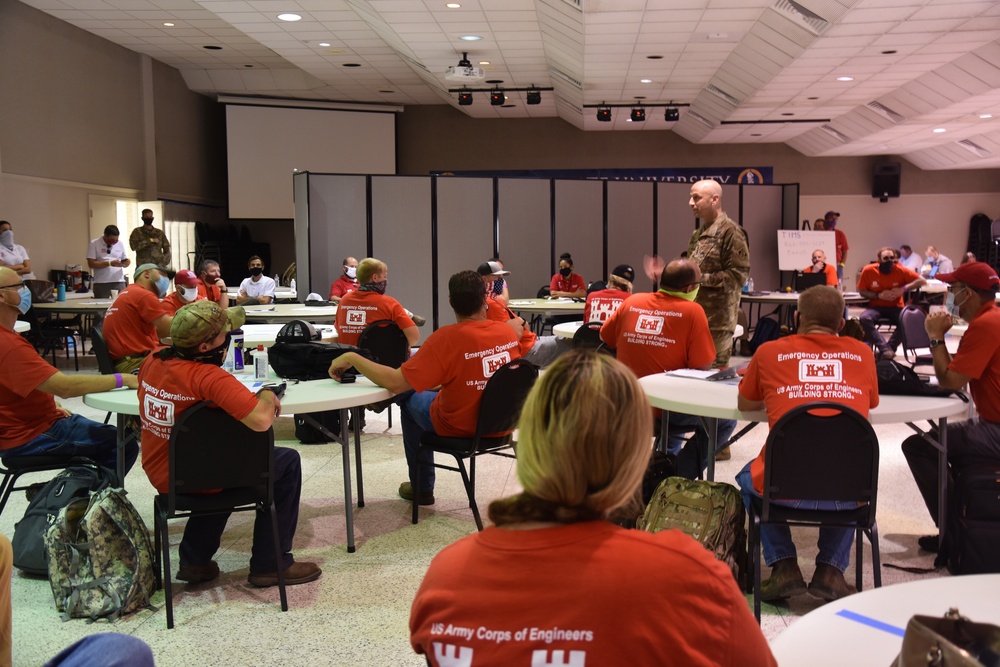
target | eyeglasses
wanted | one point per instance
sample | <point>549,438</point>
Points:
<point>15,286</point>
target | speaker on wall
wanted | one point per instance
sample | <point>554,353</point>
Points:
<point>885,182</point>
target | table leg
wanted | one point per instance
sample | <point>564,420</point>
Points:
<point>344,441</point>
<point>713,434</point>
<point>120,468</point>
<point>942,479</point>
<point>357,412</point>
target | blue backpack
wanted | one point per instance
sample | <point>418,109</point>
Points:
<point>767,329</point>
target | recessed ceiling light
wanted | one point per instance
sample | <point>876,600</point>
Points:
<point>845,78</point>
<point>470,38</point>
<point>639,97</point>
<point>494,82</point>
<point>507,106</point>
<point>453,5</point>
<point>387,92</point>
<point>248,65</point>
<point>812,98</point>
<point>756,135</point>
<point>939,130</point>
<point>889,52</point>
<point>788,113</point>
<point>289,17</point>
<point>984,116</point>
<point>645,81</point>
<point>324,43</point>
<point>352,64</point>
<point>655,57</point>
<point>169,25</point>
<point>484,62</point>
<point>212,47</point>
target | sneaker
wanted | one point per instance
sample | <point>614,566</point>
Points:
<point>379,408</point>
<point>418,320</point>
<point>406,493</point>
<point>197,574</point>
<point>723,455</point>
<point>299,572</point>
<point>785,581</point>
<point>828,584</point>
<point>928,543</point>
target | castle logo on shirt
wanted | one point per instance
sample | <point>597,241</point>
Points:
<point>492,363</point>
<point>357,317</point>
<point>821,370</point>
<point>157,411</point>
<point>649,324</point>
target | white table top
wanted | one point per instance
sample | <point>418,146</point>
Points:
<point>782,298</point>
<point>264,334</point>
<point>20,326</point>
<point>718,400</point>
<point>301,397</point>
<point>80,303</point>
<point>559,305</point>
<point>279,292</point>
<point>568,329</point>
<point>286,312</point>
<point>847,631</point>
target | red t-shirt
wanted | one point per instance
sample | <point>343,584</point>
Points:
<point>805,368</point>
<point>872,280</point>
<point>166,390</point>
<point>496,311</point>
<point>978,357</point>
<point>460,358</point>
<point>210,292</point>
<point>656,332</point>
<point>128,325</point>
<point>25,412</point>
<point>829,270</point>
<point>587,593</point>
<point>602,303</point>
<point>358,309</point>
<point>172,303</point>
<point>343,285</point>
<point>841,241</point>
<point>572,284</point>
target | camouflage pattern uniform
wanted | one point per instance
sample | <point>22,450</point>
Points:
<point>720,250</point>
<point>151,246</point>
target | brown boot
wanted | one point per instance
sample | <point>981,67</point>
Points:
<point>828,583</point>
<point>723,455</point>
<point>785,581</point>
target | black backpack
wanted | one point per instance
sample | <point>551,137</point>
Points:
<point>73,483</point>
<point>895,379</point>
<point>767,329</point>
<point>306,361</point>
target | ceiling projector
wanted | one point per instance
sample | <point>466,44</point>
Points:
<point>464,71</point>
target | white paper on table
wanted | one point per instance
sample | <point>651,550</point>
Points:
<point>695,373</point>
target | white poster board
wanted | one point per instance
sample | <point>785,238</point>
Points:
<point>796,246</point>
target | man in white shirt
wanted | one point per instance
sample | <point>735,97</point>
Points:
<point>910,259</point>
<point>258,288</point>
<point>106,258</point>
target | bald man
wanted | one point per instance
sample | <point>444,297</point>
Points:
<point>719,248</point>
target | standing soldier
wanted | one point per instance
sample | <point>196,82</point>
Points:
<point>150,244</point>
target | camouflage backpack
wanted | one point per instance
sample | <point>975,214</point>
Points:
<point>100,558</point>
<point>710,512</point>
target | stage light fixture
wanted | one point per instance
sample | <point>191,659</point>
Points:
<point>497,98</point>
<point>671,114</point>
<point>534,97</point>
<point>604,114</point>
<point>464,99</point>
<point>638,114</point>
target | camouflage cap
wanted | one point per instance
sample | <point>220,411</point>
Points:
<point>201,321</point>
<point>146,267</point>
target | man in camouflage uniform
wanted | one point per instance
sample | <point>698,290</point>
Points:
<point>719,248</point>
<point>150,244</point>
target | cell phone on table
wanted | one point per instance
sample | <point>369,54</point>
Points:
<point>277,388</point>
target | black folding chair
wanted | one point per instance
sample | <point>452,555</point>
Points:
<point>387,345</point>
<point>588,336</point>
<point>911,322</point>
<point>832,455</point>
<point>209,450</point>
<point>13,468</point>
<point>499,411</point>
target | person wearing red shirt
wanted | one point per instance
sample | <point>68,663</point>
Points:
<point>601,303</point>
<point>773,381</point>
<point>664,331</point>
<point>566,283</point>
<point>369,303</point>
<point>884,284</point>
<point>830,221</point>
<point>819,265</point>
<point>553,582</point>
<point>971,296</point>
<point>347,282</point>
<point>458,358</point>
<point>32,423</point>
<point>185,291</point>
<point>189,371</point>
<point>137,320</point>
<point>212,286</point>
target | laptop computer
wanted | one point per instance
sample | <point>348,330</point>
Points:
<point>804,281</point>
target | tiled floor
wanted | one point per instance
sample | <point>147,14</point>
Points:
<point>357,613</point>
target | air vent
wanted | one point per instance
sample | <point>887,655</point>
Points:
<point>974,148</point>
<point>718,92</point>
<point>792,10</point>
<point>559,74</point>
<point>885,112</point>
<point>834,133</point>
<point>701,119</point>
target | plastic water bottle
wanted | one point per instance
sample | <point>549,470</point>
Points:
<point>292,284</point>
<point>750,285</point>
<point>277,279</point>
<point>260,366</point>
<point>228,364</point>
<point>237,350</point>
<point>61,291</point>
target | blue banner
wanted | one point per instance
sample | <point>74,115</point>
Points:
<point>724,175</point>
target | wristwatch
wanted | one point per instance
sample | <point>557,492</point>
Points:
<point>935,342</point>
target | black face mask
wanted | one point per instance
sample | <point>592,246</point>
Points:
<point>216,355</point>
<point>565,272</point>
<point>885,267</point>
<point>147,221</point>
<point>256,271</point>
<point>378,288</point>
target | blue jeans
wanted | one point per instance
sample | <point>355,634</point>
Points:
<point>834,543</point>
<point>415,409</point>
<point>203,534</point>
<point>109,649</point>
<point>78,436</point>
<point>691,458</point>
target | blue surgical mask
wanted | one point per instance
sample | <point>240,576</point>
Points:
<point>954,309</point>
<point>25,295</point>
<point>162,285</point>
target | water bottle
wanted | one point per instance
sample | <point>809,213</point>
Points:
<point>750,285</point>
<point>229,362</point>
<point>61,291</point>
<point>277,280</point>
<point>237,350</point>
<point>292,284</point>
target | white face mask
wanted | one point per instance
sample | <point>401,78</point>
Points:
<point>351,272</point>
<point>189,294</point>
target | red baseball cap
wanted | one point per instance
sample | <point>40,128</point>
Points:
<point>979,275</point>
<point>186,278</point>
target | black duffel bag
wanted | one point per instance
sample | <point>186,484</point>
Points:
<point>306,361</point>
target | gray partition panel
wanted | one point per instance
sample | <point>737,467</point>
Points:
<point>630,227</point>
<point>401,237</point>
<point>300,190</point>
<point>337,227</point>
<point>761,220</point>
<point>580,226</point>
<point>525,234</point>
<point>464,232</point>
<point>676,221</point>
